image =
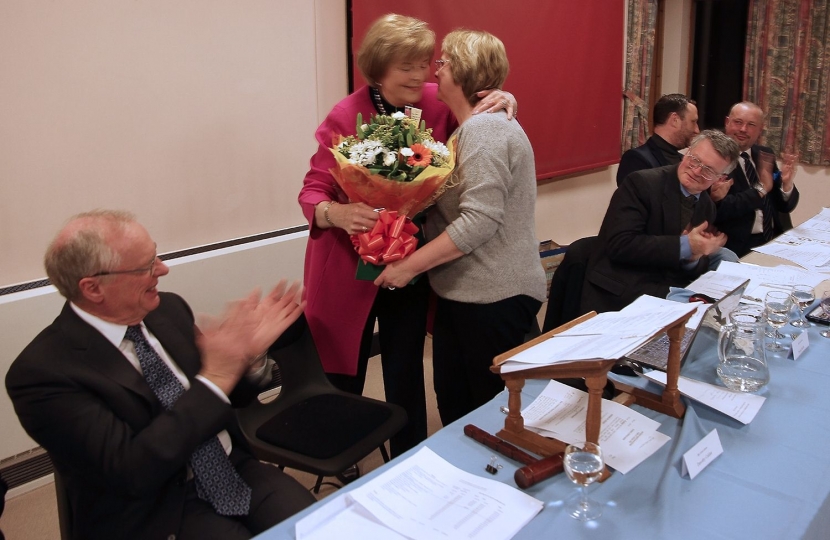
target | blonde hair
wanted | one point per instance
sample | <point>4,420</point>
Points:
<point>390,38</point>
<point>81,249</point>
<point>477,59</point>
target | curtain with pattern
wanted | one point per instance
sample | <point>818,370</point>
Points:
<point>642,22</point>
<point>787,73</point>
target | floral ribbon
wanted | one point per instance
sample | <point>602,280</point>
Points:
<point>391,239</point>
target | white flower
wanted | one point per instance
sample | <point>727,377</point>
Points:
<point>397,115</point>
<point>389,158</point>
<point>437,148</point>
<point>365,152</point>
<point>364,127</point>
<point>407,152</point>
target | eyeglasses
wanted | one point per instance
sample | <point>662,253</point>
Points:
<point>706,171</point>
<point>149,269</point>
<point>440,63</point>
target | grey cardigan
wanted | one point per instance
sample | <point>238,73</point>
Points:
<point>489,215</point>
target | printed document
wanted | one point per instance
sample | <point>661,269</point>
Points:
<point>606,336</point>
<point>716,284</point>
<point>739,405</point>
<point>810,255</point>
<point>626,437</point>
<point>817,229</point>
<point>424,497</point>
<point>764,279</point>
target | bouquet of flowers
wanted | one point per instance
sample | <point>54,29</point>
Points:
<point>394,164</point>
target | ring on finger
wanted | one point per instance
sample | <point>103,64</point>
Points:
<point>504,102</point>
<point>391,288</point>
<point>365,228</point>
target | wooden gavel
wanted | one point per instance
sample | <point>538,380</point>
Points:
<point>534,471</point>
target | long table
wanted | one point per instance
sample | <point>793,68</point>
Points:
<point>772,481</point>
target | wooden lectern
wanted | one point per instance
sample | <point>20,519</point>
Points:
<point>595,373</point>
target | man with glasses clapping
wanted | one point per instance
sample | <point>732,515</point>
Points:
<point>657,230</point>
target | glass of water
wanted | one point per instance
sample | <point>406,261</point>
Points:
<point>777,307</point>
<point>584,465</point>
<point>803,295</point>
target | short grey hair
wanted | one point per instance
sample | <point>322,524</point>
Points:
<point>723,145</point>
<point>81,249</point>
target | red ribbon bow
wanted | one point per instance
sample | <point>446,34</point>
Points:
<point>391,239</point>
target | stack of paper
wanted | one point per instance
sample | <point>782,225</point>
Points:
<point>764,279</point>
<point>807,245</point>
<point>423,497</point>
<point>607,336</point>
<point>626,436</point>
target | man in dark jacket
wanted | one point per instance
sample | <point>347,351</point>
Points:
<point>754,205</point>
<point>656,232</point>
<point>675,124</point>
<point>133,402</point>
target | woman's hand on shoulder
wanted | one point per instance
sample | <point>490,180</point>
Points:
<point>496,100</point>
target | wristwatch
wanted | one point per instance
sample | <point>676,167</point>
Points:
<point>760,189</point>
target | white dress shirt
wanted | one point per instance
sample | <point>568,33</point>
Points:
<point>114,333</point>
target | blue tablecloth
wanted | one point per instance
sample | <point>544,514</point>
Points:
<point>771,482</point>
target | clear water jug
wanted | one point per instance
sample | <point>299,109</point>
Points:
<point>742,364</point>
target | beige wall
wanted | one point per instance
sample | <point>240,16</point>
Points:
<point>198,115</point>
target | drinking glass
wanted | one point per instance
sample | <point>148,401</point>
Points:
<point>825,307</point>
<point>777,307</point>
<point>583,464</point>
<point>803,295</point>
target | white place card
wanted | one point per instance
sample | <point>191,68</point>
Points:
<point>702,454</point>
<point>800,344</point>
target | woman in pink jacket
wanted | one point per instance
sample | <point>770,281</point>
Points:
<point>394,58</point>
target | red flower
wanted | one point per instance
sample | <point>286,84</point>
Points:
<point>421,156</point>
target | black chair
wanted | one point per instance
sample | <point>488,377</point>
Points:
<point>566,284</point>
<point>311,425</point>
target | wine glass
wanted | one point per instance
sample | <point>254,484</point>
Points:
<point>583,464</point>
<point>803,295</point>
<point>777,307</point>
<point>825,307</point>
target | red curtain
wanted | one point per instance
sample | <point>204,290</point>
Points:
<point>566,61</point>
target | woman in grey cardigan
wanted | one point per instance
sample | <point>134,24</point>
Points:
<point>483,256</point>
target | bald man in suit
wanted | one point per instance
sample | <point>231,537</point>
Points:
<point>133,402</point>
<point>754,206</point>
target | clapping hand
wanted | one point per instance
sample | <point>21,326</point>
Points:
<point>705,241</point>
<point>229,343</point>
<point>720,188</point>
<point>788,165</point>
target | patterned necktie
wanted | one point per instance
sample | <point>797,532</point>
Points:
<point>687,210</point>
<point>767,209</point>
<point>217,481</point>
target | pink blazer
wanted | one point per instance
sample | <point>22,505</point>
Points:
<point>338,305</point>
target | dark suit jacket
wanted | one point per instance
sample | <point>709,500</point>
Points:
<point>122,455</point>
<point>647,156</point>
<point>736,211</point>
<point>639,242</point>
